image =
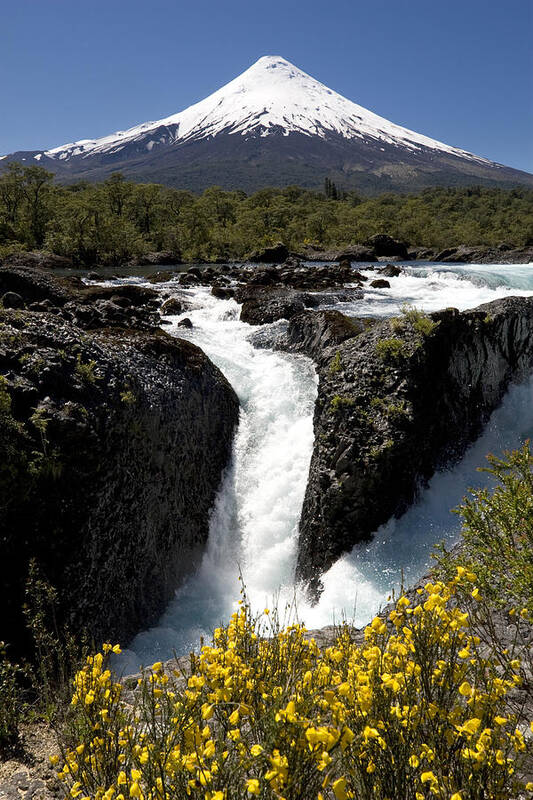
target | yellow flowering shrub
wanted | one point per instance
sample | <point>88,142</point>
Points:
<point>414,712</point>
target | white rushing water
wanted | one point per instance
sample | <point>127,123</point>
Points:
<point>254,524</point>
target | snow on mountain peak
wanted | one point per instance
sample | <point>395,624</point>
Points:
<point>271,96</point>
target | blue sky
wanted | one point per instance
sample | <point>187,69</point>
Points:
<point>461,72</point>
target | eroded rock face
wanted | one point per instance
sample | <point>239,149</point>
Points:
<point>113,442</point>
<point>395,403</point>
<point>315,333</point>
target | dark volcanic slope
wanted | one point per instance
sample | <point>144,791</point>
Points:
<point>234,162</point>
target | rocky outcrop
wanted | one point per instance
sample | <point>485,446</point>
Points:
<point>157,258</point>
<point>113,442</point>
<point>354,252</point>
<point>89,307</point>
<point>395,403</point>
<point>273,293</point>
<point>37,259</point>
<point>315,333</point>
<point>270,255</point>
<point>384,245</point>
<point>264,304</point>
<point>502,254</point>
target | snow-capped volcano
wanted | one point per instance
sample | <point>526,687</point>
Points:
<point>272,96</point>
<point>274,124</point>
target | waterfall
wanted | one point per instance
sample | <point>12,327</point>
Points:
<point>254,522</point>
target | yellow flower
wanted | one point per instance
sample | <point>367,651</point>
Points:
<point>252,786</point>
<point>256,750</point>
<point>339,789</point>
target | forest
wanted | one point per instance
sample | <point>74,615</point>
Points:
<point>117,221</point>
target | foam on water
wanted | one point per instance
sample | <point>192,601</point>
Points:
<point>254,522</point>
<point>432,288</point>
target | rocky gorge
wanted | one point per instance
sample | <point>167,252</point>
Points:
<point>117,434</point>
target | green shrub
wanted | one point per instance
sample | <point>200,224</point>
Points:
<point>335,364</point>
<point>391,351</point>
<point>497,532</point>
<point>86,370</point>
<point>420,321</point>
<point>338,402</point>
<point>128,397</point>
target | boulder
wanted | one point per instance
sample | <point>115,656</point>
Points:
<point>269,305</point>
<point>11,300</point>
<point>163,276</point>
<point>163,257</point>
<point>421,254</point>
<point>380,283</point>
<point>223,292</point>
<point>461,254</point>
<point>390,271</point>
<point>385,245</point>
<point>354,252</point>
<point>270,255</point>
<point>187,279</point>
<point>171,306</point>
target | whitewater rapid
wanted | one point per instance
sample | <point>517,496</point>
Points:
<point>254,523</point>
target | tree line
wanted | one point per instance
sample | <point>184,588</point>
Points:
<point>115,221</point>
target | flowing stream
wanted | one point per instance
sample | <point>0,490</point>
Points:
<point>254,522</point>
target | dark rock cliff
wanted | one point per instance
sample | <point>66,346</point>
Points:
<point>395,403</point>
<point>113,442</point>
